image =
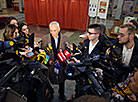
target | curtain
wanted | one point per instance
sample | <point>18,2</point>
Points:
<point>71,14</point>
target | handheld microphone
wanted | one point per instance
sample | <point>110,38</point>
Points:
<point>67,44</point>
<point>46,59</point>
<point>41,57</point>
<point>56,69</point>
<point>61,56</point>
<point>48,48</point>
<point>67,54</point>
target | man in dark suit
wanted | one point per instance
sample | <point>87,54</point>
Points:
<point>57,40</point>
<point>93,44</point>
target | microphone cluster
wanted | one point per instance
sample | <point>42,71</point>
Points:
<point>63,56</point>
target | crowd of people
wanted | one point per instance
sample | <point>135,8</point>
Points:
<point>126,41</point>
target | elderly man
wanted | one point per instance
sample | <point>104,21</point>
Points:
<point>57,41</point>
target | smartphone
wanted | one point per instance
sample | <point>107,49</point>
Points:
<point>29,54</point>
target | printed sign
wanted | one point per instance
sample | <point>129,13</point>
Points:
<point>103,8</point>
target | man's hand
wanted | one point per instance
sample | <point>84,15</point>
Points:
<point>37,44</point>
<point>132,97</point>
<point>51,62</point>
<point>57,61</point>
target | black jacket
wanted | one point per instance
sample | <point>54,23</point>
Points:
<point>135,50</point>
<point>98,49</point>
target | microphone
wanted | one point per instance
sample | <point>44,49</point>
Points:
<point>67,54</point>
<point>61,56</point>
<point>46,59</point>
<point>56,69</point>
<point>41,57</point>
<point>5,45</point>
<point>48,48</point>
<point>67,44</point>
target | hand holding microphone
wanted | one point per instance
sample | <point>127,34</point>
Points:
<point>70,47</point>
<point>36,44</point>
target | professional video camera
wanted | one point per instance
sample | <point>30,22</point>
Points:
<point>84,75</point>
<point>26,75</point>
<point>114,51</point>
<point>87,79</point>
<point>28,78</point>
<point>9,53</point>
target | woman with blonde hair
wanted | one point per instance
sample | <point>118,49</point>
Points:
<point>11,31</point>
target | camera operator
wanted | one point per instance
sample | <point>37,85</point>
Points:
<point>128,44</point>
<point>57,40</point>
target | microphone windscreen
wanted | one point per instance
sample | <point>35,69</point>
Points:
<point>61,56</point>
<point>67,54</point>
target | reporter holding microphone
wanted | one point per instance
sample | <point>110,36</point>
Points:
<point>57,41</point>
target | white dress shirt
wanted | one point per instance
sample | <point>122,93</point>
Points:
<point>56,41</point>
<point>91,47</point>
<point>126,55</point>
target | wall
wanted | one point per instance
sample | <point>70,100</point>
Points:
<point>21,6</point>
<point>119,9</point>
<point>3,4</point>
<point>0,6</point>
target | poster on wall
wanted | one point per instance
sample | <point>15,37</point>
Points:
<point>127,19</point>
<point>93,8</point>
<point>136,10</point>
<point>103,8</point>
<point>128,8</point>
<point>115,5</point>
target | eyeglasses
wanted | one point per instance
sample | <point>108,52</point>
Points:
<point>122,35</point>
<point>90,33</point>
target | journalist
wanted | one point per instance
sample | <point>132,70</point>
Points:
<point>57,41</point>
<point>23,29</point>
<point>12,20</point>
<point>127,42</point>
<point>11,31</point>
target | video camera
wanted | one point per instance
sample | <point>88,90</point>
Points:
<point>114,51</point>
<point>17,42</point>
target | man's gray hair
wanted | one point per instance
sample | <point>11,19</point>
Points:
<point>54,22</point>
